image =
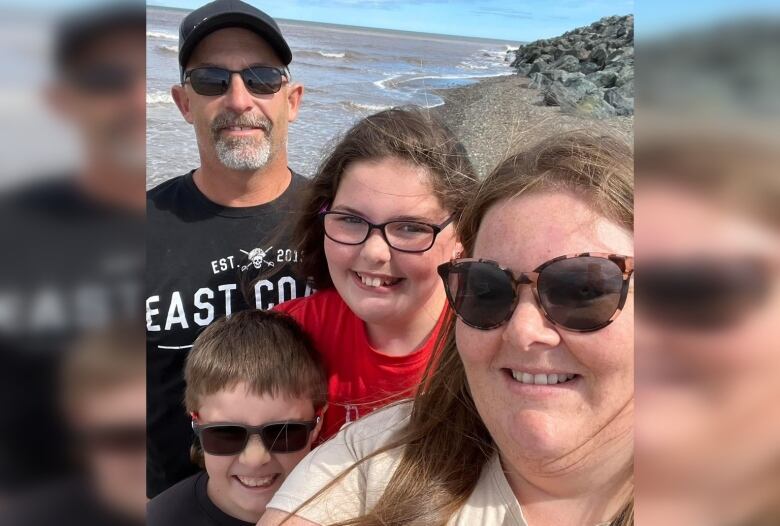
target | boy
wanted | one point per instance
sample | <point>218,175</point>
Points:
<point>256,391</point>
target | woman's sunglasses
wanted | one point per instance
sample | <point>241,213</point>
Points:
<point>231,439</point>
<point>581,292</point>
<point>213,81</point>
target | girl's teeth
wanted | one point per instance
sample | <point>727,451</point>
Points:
<point>373,282</point>
<point>541,379</point>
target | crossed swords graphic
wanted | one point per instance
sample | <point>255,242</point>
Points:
<point>262,259</point>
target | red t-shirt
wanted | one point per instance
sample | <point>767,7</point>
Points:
<point>360,379</point>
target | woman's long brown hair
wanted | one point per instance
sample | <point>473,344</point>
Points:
<point>445,444</point>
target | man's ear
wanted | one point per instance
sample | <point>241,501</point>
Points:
<point>182,101</point>
<point>316,433</point>
<point>294,96</point>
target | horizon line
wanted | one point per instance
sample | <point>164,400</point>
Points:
<point>332,24</point>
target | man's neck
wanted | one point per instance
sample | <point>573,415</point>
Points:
<point>238,189</point>
<point>114,186</point>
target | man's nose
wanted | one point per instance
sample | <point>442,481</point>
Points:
<point>238,98</point>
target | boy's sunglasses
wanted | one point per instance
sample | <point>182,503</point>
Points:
<point>231,439</point>
<point>581,292</point>
<point>213,80</point>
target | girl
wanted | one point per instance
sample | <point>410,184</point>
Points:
<point>378,219</point>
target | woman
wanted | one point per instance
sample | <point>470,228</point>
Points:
<point>378,220</point>
<point>708,433</point>
<point>531,399</point>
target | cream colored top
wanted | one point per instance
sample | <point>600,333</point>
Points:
<point>492,502</point>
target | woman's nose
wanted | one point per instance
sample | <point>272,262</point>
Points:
<point>528,328</point>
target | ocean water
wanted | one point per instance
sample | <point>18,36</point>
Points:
<point>347,73</point>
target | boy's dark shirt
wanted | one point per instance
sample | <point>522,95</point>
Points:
<point>188,503</point>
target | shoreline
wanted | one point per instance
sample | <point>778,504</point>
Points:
<point>500,115</point>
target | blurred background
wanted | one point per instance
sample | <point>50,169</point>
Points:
<point>708,257</point>
<point>72,98</point>
<point>72,379</point>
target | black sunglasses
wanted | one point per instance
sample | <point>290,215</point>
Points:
<point>213,80</point>
<point>702,294</point>
<point>581,292</point>
<point>104,79</point>
<point>404,236</point>
<point>231,439</point>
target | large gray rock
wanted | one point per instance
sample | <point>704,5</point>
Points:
<point>538,66</point>
<point>538,81</point>
<point>625,75</point>
<point>578,51</point>
<point>589,67</point>
<point>564,77</point>
<point>523,69</point>
<point>567,63</point>
<point>605,78</point>
<point>569,94</point>
<point>622,105</point>
<point>599,55</point>
<point>627,89</point>
<point>592,105</point>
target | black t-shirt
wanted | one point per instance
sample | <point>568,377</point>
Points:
<point>187,502</point>
<point>202,258</point>
<point>70,264</point>
<point>71,502</point>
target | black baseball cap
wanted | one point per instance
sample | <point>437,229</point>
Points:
<point>220,14</point>
<point>84,27</point>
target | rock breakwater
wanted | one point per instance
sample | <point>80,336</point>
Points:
<point>586,71</point>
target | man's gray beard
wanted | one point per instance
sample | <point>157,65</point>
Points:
<point>243,153</point>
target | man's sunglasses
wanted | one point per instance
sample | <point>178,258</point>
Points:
<point>702,293</point>
<point>582,292</point>
<point>104,79</point>
<point>231,439</point>
<point>213,80</point>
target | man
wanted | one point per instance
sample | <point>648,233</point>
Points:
<point>74,239</point>
<point>219,231</point>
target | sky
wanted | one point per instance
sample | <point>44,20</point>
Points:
<point>510,20</point>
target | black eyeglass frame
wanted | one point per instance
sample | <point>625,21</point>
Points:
<point>624,263</point>
<point>252,430</point>
<point>437,229</point>
<point>284,72</point>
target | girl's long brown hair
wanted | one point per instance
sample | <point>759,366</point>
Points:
<point>410,134</point>
<point>446,444</point>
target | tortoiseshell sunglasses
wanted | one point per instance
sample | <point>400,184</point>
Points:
<point>579,292</point>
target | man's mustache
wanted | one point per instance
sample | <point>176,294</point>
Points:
<point>246,120</point>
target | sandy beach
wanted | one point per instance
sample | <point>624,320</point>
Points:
<point>500,115</point>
